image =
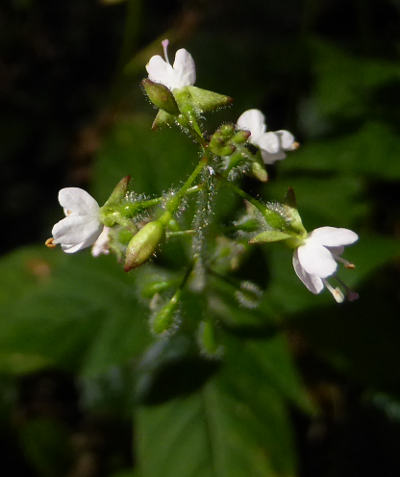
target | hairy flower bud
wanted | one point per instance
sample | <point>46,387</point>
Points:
<point>143,244</point>
<point>165,318</point>
<point>160,96</point>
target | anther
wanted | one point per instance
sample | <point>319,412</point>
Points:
<point>50,243</point>
<point>295,145</point>
<point>335,292</point>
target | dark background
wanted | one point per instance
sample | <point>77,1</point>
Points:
<point>70,71</point>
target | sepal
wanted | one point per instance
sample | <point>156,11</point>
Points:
<point>119,191</point>
<point>270,236</point>
<point>201,99</point>
<point>160,96</point>
<point>162,119</point>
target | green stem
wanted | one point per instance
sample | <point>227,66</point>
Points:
<point>175,200</point>
<point>179,233</point>
<point>261,207</point>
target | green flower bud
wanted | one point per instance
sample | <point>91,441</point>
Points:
<point>241,137</point>
<point>207,340</point>
<point>258,171</point>
<point>220,141</point>
<point>158,286</point>
<point>165,318</point>
<point>143,244</point>
<point>160,96</point>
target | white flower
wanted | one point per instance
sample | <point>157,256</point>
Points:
<point>81,227</point>
<point>316,259</point>
<point>273,143</point>
<point>101,246</point>
<point>182,73</point>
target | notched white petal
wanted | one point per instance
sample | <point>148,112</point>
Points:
<point>77,201</point>
<point>76,230</point>
<point>269,142</point>
<point>184,69</point>
<point>159,70</point>
<point>313,283</point>
<point>333,236</point>
<point>316,259</point>
<point>286,139</point>
<point>252,120</point>
<point>269,158</point>
<point>101,244</point>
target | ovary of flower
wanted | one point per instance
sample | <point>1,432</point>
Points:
<point>182,73</point>
<point>81,226</point>
<point>272,144</point>
<point>316,259</point>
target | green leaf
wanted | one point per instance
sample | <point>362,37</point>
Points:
<point>319,201</point>
<point>152,158</point>
<point>236,423</point>
<point>76,312</point>
<point>46,445</point>
<point>338,90</point>
<point>372,151</point>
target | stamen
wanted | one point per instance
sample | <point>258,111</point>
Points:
<point>165,44</point>
<point>335,292</point>
<point>295,145</point>
<point>345,262</point>
<point>50,243</point>
<point>351,295</point>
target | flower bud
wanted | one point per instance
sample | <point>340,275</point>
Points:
<point>165,318</point>
<point>143,244</point>
<point>207,340</point>
<point>241,137</point>
<point>220,141</point>
<point>258,171</point>
<point>160,96</point>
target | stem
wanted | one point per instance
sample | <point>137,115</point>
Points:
<point>261,207</point>
<point>179,233</point>
<point>175,200</point>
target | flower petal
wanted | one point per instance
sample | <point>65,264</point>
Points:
<point>101,244</point>
<point>252,120</point>
<point>160,71</point>
<point>78,201</point>
<point>316,259</point>
<point>313,283</point>
<point>72,248</point>
<point>184,69</point>
<point>269,158</point>
<point>333,236</point>
<point>269,142</point>
<point>76,230</point>
<point>286,139</point>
